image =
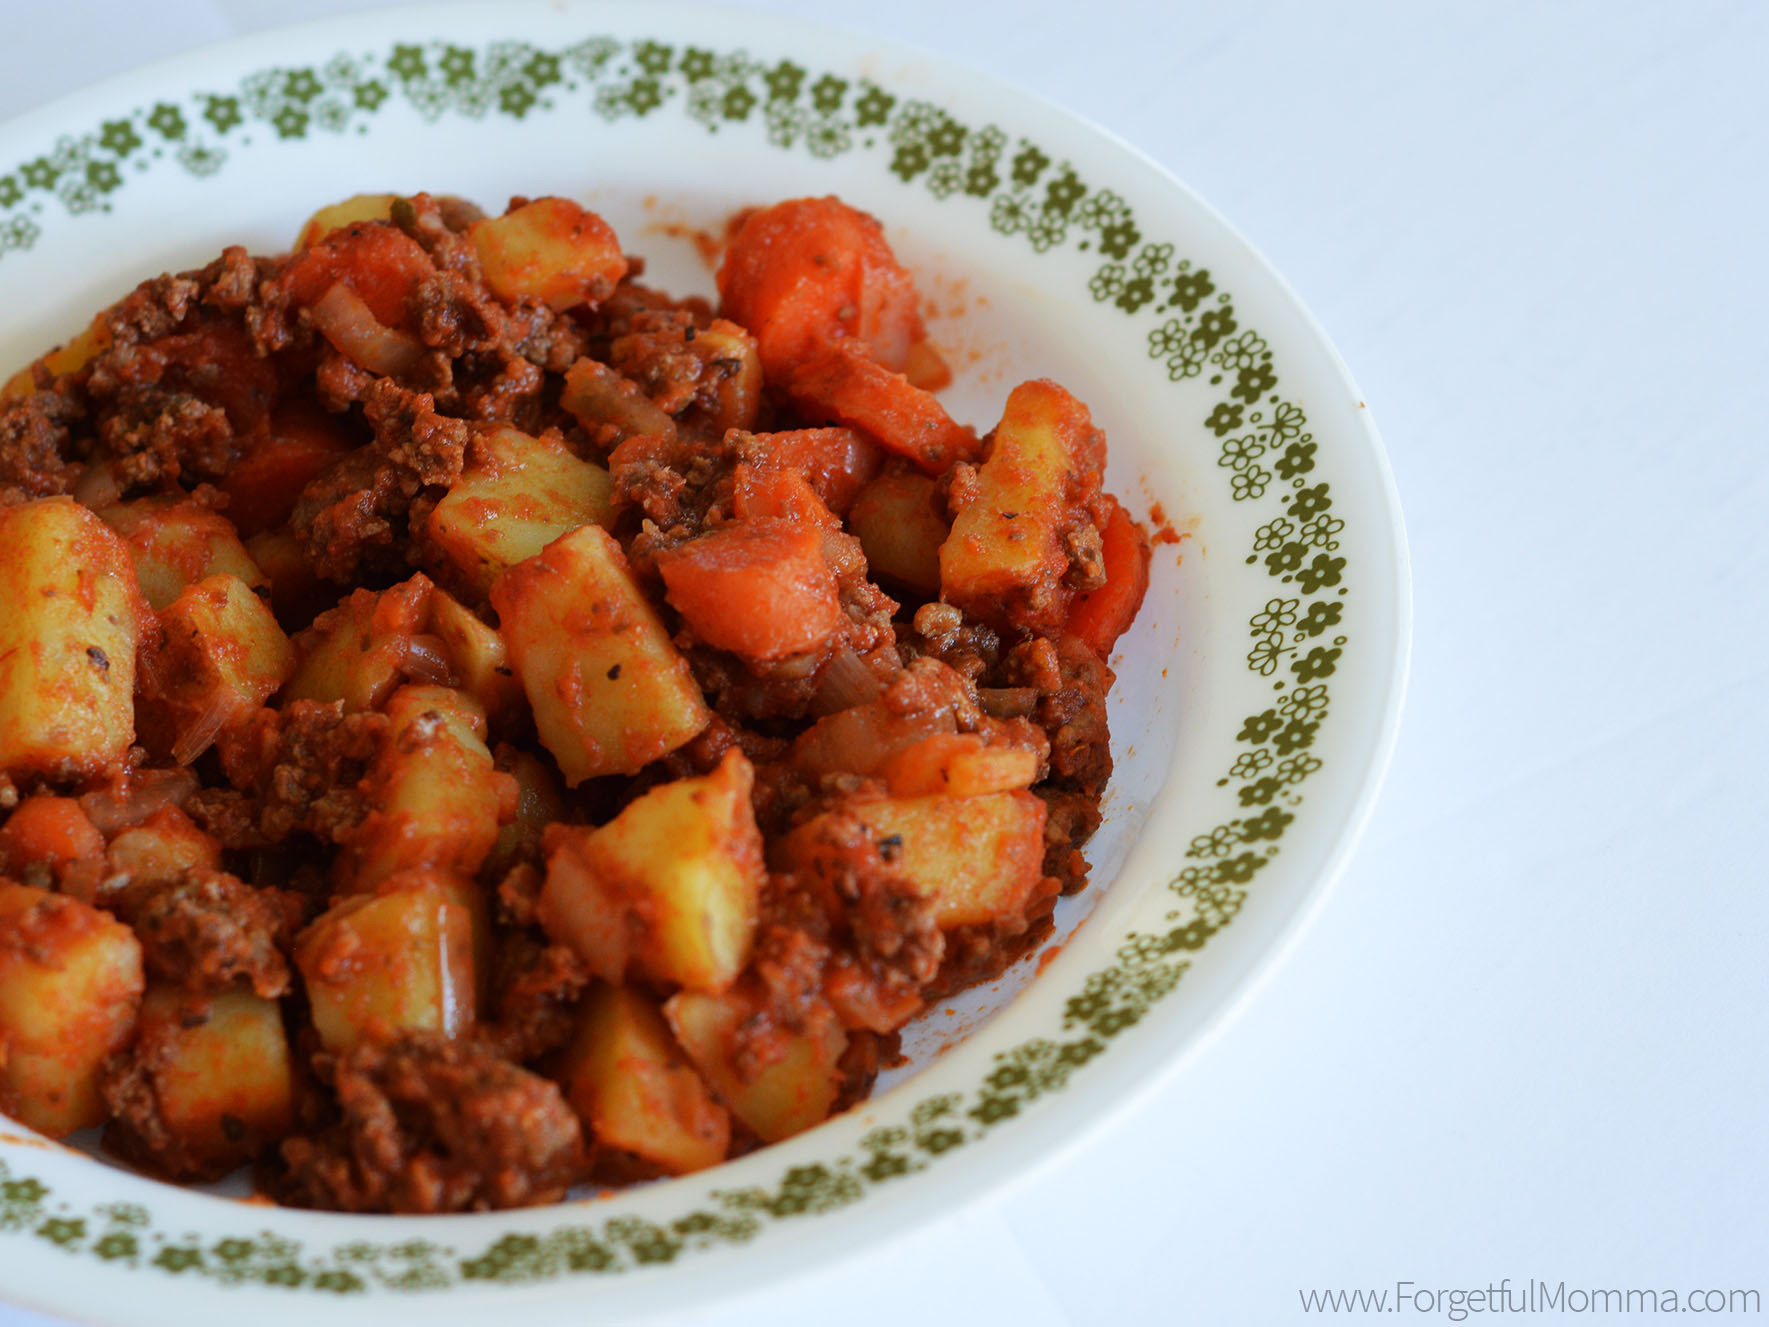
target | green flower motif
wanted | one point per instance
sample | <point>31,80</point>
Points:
<point>1249,763</point>
<point>945,178</point>
<point>542,70</point>
<point>1261,791</point>
<point>1152,260</point>
<point>1216,324</point>
<point>458,66</point>
<point>369,96</point>
<point>1269,824</point>
<point>653,57</point>
<point>10,191</point>
<point>1263,657</point>
<point>1105,209</point>
<point>331,115</point>
<point>1239,870</point>
<point>1321,614</point>
<point>1028,165</point>
<point>1298,459</point>
<point>1297,768</point>
<point>992,1110</point>
<point>1322,531</point>
<point>1277,614</point>
<point>234,1250</point>
<point>62,1231</point>
<point>1257,728</point>
<point>828,92</point>
<point>407,63</point>
<point>1243,352</point>
<point>178,1259</point>
<point>827,138</point>
<point>1320,574</point>
<point>1286,559</point>
<point>39,174</point>
<point>739,102</point>
<point>516,99</point>
<point>222,113</point>
<point>302,85</point>
<point>873,106</point>
<point>201,160</point>
<point>1253,383</point>
<point>1297,735</point>
<point>1287,421</point>
<point>947,139</point>
<point>22,1193</point>
<point>103,176</point>
<point>286,1274</point>
<point>696,64</point>
<point>342,1283</point>
<point>981,180</point>
<point>1137,292</point>
<point>290,122</point>
<point>117,1244</point>
<point>1074,1054</point>
<point>1117,241</point>
<point>1213,844</point>
<point>1321,661</point>
<point>1010,212</point>
<point>1273,534</point>
<point>1005,1077</point>
<point>1302,702</point>
<point>645,96</point>
<point>1106,284</point>
<point>167,121</point>
<point>119,137</point>
<point>1239,453</point>
<point>1190,289</point>
<point>784,81</point>
<point>1307,502</point>
<point>1064,191</point>
<point>937,1141</point>
<point>1166,338</point>
<point>986,143</point>
<point>1187,361</point>
<point>884,1166</point>
<point>1249,483</point>
<point>1225,418</point>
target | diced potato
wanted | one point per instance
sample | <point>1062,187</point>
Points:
<point>625,1075</point>
<point>71,617</point>
<point>761,589</point>
<point>611,408</point>
<point>670,885</point>
<point>790,1094</point>
<point>436,799</point>
<point>977,858</point>
<point>360,207</point>
<point>222,1079</point>
<point>539,802</point>
<point>356,652</point>
<point>69,358</point>
<point>477,653</point>
<point>730,350</point>
<point>378,965</point>
<point>521,494</point>
<point>177,542</point>
<point>297,596</point>
<point>162,848</point>
<point>901,524</point>
<point>70,984</point>
<point>222,656</point>
<point>551,250</point>
<point>610,693</point>
<point>1005,559</point>
<point>958,765</point>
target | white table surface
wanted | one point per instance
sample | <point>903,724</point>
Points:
<point>1529,1035</point>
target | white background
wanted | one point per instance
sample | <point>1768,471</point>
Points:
<point>1529,1035</point>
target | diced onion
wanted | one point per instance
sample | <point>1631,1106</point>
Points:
<point>349,324</point>
<point>846,682</point>
<point>137,797</point>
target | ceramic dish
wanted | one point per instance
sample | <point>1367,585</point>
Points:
<point>1257,695</point>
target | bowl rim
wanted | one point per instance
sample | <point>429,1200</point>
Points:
<point>1138,1066</point>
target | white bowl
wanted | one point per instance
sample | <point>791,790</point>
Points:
<point>1257,695</point>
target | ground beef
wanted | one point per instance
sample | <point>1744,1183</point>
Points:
<point>429,1125</point>
<point>161,435</point>
<point>211,932</point>
<point>34,444</point>
<point>535,988</point>
<point>297,768</point>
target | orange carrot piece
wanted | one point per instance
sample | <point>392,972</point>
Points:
<point>760,589</point>
<point>843,386</point>
<point>376,259</point>
<point>50,830</point>
<point>264,483</point>
<point>1100,616</point>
